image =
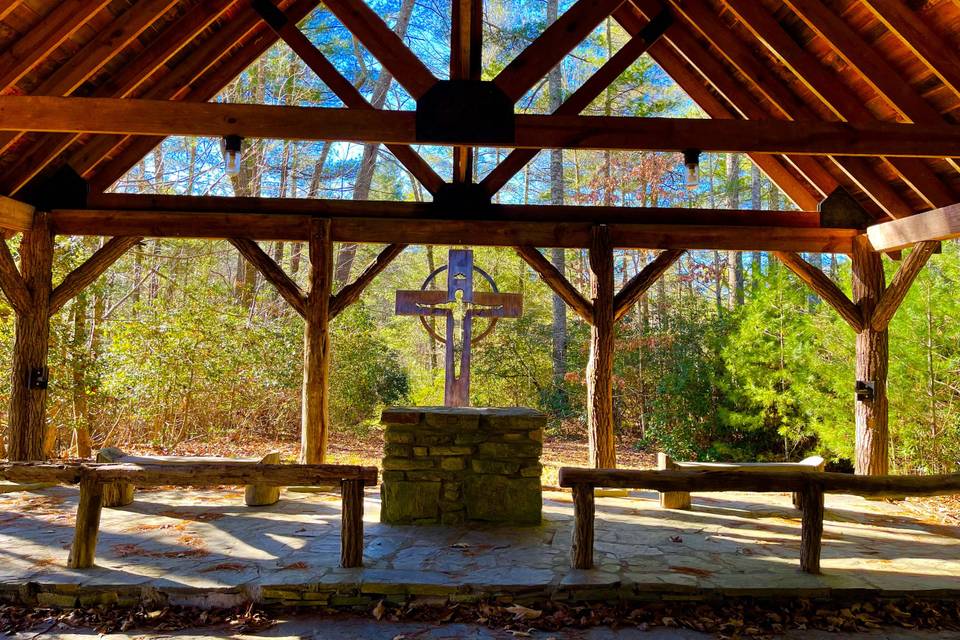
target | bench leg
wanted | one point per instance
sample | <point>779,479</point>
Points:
<point>675,500</point>
<point>581,551</point>
<point>351,524</point>
<point>263,495</point>
<point>811,534</point>
<point>85,533</point>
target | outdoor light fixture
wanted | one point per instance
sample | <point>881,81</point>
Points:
<point>691,160</point>
<point>231,146</point>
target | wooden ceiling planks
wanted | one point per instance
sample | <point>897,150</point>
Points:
<point>754,84</point>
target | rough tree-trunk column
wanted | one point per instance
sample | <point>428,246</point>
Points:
<point>28,406</point>
<point>316,347</point>
<point>600,367</point>
<point>872,456</point>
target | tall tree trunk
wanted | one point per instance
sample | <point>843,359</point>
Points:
<point>601,443</point>
<point>557,256</point>
<point>734,258</point>
<point>368,161</point>
<point>756,203</point>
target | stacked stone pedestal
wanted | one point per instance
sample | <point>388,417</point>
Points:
<point>453,465</point>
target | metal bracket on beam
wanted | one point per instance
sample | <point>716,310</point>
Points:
<point>465,197</point>
<point>866,390</point>
<point>465,112</point>
<point>63,189</point>
<point>840,210</point>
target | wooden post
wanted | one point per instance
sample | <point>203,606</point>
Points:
<point>351,524</point>
<point>872,456</point>
<point>671,499</point>
<point>600,367</point>
<point>118,493</point>
<point>316,346</point>
<point>262,495</point>
<point>811,532</point>
<point>87,528</point>
<point>27,417</point>
<point>581,549</point>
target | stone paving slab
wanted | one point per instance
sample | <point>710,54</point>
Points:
<point>207,548</point>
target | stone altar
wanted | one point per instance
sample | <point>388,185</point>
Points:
<point>450,465</point>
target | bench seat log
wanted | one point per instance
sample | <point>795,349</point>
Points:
<point>120,493</point>
<point>94,478</point>
<point>681,499</point>
<point>805,480</point>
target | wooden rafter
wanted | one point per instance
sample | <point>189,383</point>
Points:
<point>94,266</point>
<point>939,224</point>
<point>579,100</point>
<point>351,292</point>
<point>104,46</point>
<point>122,84</point>
<point>273,273</point>
<point>557,282</point>
<point>157,117</point>
<point>887,82</point>
<point>385,45</point>
<point>824,287</point>
<point>742,105</point>
<point>638,284</point>
<point>8,6</point>
<point>30,50</point>
<point>550,47</point>
<point>343,89</point>
<point>188,81</point>
<point>927,44</point>
<point>843,102</point>
<point>786,104</point>
<point>899,286</point>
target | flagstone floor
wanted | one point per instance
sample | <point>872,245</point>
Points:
<point>205,547</point>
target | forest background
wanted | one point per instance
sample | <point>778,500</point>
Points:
<point>728,357</point>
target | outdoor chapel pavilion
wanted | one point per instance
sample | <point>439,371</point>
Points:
<point>851,107</point>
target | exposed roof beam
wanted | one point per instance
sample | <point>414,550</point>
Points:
<point>158,117</point>
<point>121,84</point>
<point>8,6</point>
<point>551,46</point>
<point>15,215</point>
<point>694,80</point>
<point>60,23</point>
<point>193,80</point>
<point>385,45</point>
<point>342,88</point>
<point>939,224</point>
<point>466,63</point>
<point>452,231</point>
<point>830,89</point>
<point>928,45</point>
<point>580,100</point>
<point>107,43</point>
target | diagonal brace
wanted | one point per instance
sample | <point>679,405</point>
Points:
<point>286,287</point>
<point>559,284</point>
<point>824,287</point>
<point>84,275</point>
<point>638,284</point>
<point>899,286</point>
<point>351,292</point>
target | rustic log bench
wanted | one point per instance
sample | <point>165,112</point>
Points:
<point>120,494</point>
<point>681,499</point>
<point>809,483</point>
<point>92,479</point>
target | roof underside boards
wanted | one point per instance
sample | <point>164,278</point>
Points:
<point>835,60</point>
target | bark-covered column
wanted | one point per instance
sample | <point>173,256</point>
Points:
<point>27,416</point>
<point>600,367</point>
<point>316,347</point>
<point>872,457</point>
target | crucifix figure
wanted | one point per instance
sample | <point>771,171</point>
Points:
<point>459,305</point>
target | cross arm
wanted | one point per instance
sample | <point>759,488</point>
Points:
<point>555,280</point>
<point>84,275</point>
<point>824,287</point>
<point>638,285</point>
<point>287,288</point>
